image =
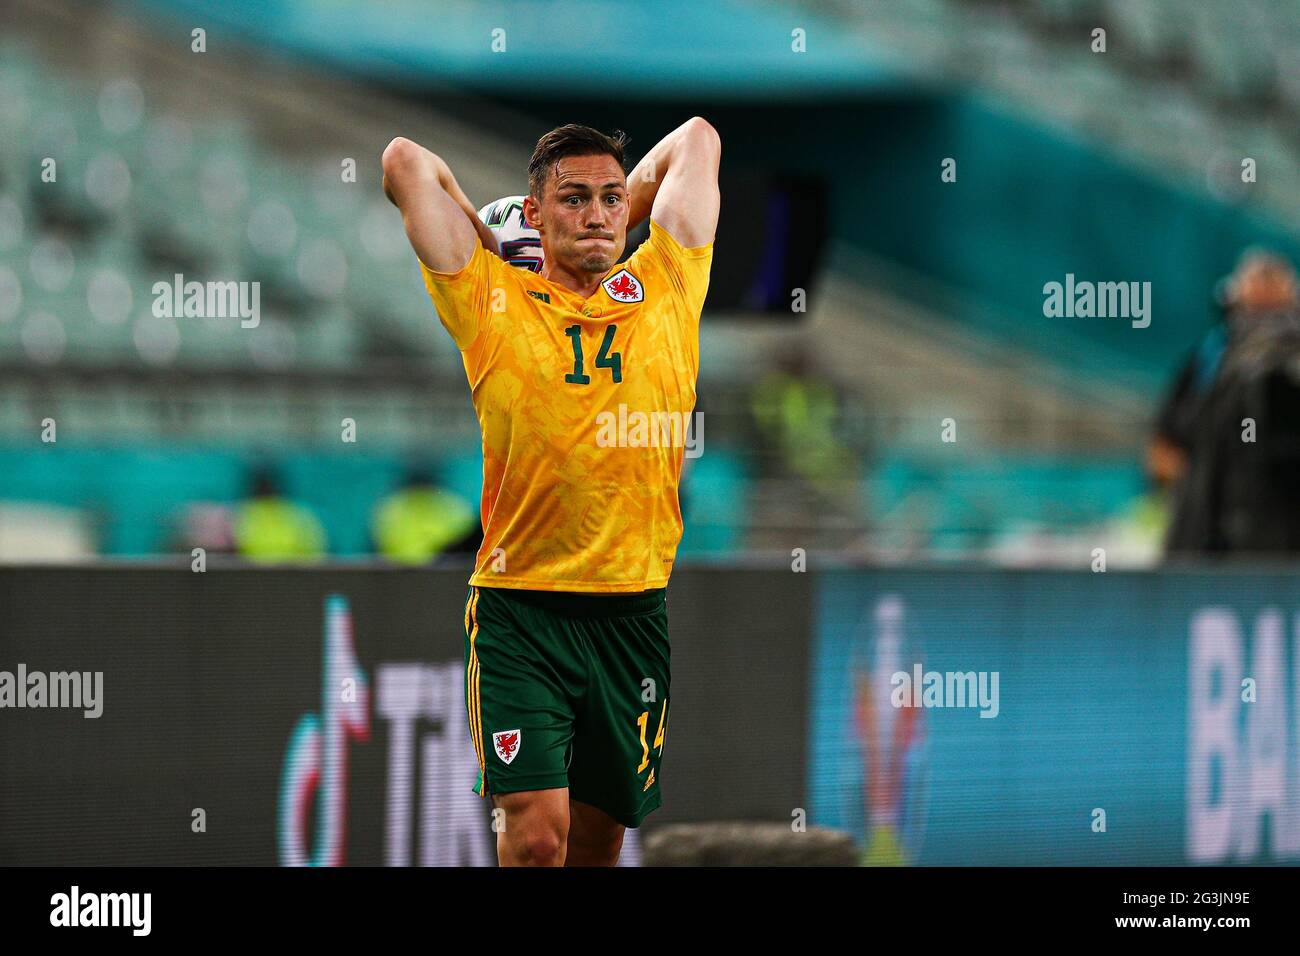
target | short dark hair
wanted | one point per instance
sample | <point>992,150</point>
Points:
<point>571,140</point>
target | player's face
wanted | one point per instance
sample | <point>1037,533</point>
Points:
<point>582,217</point>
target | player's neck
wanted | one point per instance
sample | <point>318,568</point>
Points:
<point>582,283</point>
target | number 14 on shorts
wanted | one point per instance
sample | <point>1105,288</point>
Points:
<point>642,722</point>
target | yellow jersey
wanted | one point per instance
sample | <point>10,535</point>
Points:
<point>584,406</point>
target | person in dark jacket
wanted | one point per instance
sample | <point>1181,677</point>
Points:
<point>1227,440</point>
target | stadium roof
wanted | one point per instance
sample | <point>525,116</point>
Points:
<point>663,49</point>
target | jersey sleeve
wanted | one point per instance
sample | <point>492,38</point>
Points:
<point>687,269</point>
<point>462,298</point>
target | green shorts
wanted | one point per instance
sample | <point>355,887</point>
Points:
<point>569,690</point>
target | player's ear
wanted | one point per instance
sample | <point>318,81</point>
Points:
<point>532,212</point>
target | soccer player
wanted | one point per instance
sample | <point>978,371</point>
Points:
<point>566,639</point>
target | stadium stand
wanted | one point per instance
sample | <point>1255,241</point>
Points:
<point>156,185</point>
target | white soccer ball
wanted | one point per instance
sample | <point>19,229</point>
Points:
<point>520,243</point>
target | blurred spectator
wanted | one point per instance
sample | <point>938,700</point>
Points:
<point>270,527</point>
<point>208,525</point>
<point>796,412</point>
<point>420,521</point>
<point>1228,438</point>
<point>1175,425</point>
<point>1176,421</point>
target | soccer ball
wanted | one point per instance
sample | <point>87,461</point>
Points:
<point>520,243</point>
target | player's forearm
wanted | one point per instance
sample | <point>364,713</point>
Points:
<point>452,188</point>
<point>646,177</point>
<point>409,169</point>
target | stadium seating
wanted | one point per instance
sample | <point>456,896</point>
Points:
<point>147,191</point>
<point>1187,64</point>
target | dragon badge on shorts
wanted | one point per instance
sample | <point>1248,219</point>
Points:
<point>506,743</point>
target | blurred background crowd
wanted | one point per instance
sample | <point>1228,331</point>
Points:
<point>861,300</point>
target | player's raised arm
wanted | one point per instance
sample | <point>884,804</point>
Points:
<point>676,183</point>
<point>440,221</point>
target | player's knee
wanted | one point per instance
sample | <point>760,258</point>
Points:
<point>540,846</point>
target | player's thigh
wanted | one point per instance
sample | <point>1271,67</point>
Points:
<point>623,720</point>
<point>519,692</point>
<point>595,838</point>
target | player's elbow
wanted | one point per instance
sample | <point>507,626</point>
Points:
<point>399,155</point>
<point>404,160</point>
<point>703,136</point>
